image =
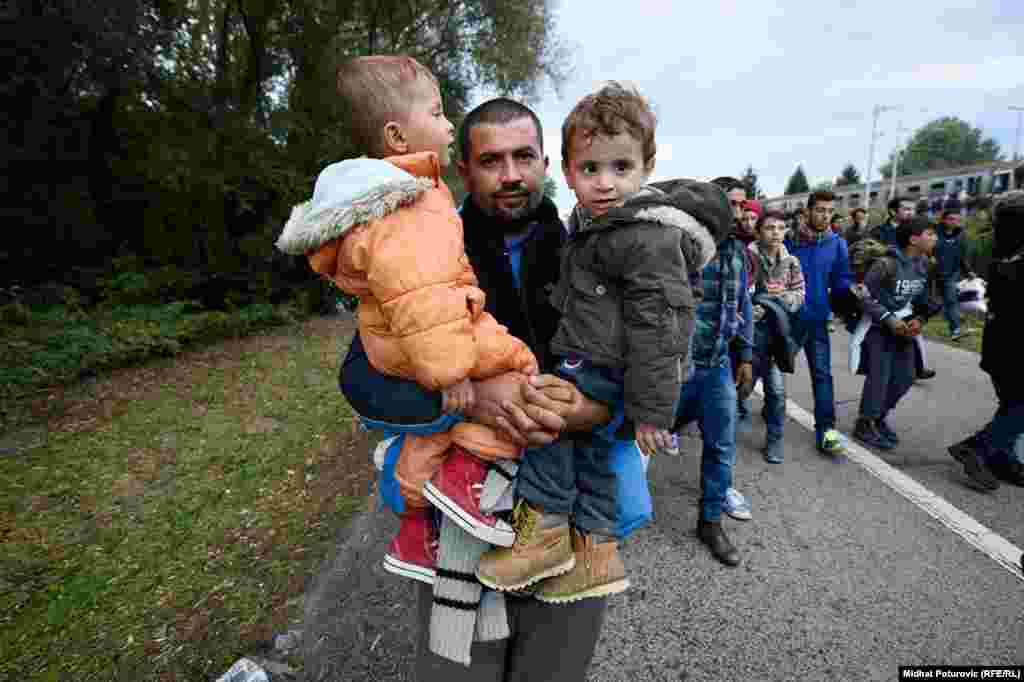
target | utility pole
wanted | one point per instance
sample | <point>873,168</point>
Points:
<point>1016,142</point>
<point>900,150</point>
<point>879,108</point>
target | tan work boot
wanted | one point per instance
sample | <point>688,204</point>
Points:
<point>539,552</point>
<point>599,572</point>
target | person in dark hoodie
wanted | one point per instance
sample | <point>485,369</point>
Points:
<point>897,307</point>
<point>992,450</point>
<point>950,256</point>
<point>627,296</point>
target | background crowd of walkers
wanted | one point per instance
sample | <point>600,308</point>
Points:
<point>523,369</point>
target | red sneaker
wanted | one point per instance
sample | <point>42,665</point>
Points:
<point>455,489</point>
<point>413,552</point>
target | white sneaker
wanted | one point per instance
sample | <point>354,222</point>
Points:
<point>736,506</point>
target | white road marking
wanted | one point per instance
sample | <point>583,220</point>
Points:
<point>1001,550</point>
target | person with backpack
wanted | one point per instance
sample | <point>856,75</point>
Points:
<point>895,309</point>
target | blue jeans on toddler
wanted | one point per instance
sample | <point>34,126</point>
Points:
<point>574,475</point>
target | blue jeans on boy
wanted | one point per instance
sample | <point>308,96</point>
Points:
<point>951,303</point>
<point>709,396</point>
<point>774,411</point>
<point>574,475</point>
<point>817,347</point>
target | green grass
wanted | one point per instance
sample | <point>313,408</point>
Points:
<point>937,329</point>
<point>53,345</point>
<point>164,538</point>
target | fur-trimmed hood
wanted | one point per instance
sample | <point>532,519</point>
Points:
<point>352,192</point>
<point>700,209</point>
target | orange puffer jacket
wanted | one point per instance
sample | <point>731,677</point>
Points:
<point>387,231</point>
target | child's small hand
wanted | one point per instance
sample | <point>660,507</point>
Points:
<point>758,313</point>
<point>651,439</point>
<point>914,326</point>
<point>774,288</point>
<point>458,398</point>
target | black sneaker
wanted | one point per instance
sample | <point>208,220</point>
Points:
<point>1011,472</point>
<point>978,475</point>
<point>885,432</point>
<point>964,449</point>
<point>866,432</point>
<point>926,374</point>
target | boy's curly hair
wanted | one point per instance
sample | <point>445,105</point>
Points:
<point>375,90</point>
<point>615,108</point>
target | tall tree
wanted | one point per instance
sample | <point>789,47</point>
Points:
<point>946,142</point>
<point>749,180</point>
<point>550,187</point>
<point>849,176</point>
<point>798,182</point>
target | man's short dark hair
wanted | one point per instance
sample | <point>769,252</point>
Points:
<point>770,214</point>
<point>820,195</point>
<point>728,183</point>
<point>894,203</point>
<point>858,210</point>
<point>498,111</point>
<point>913,228</point>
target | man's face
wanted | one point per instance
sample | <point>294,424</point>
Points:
<point>860,218</point>
<point>736,197</point>
<point>605,170</point>
<point>905,212</point>
<point>749,223</point>
<point>505,169</point>
<point>821,215</point>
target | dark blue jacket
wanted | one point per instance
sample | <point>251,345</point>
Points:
<point>826,266</point>
<point>950,253</point>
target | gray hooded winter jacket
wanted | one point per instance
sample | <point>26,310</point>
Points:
<point>627,289</point>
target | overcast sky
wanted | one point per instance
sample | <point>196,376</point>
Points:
<point>785,82</point>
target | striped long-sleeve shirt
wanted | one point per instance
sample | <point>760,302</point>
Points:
<point>783,274</point>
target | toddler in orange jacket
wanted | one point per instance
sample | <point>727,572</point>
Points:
<point>386,230</point>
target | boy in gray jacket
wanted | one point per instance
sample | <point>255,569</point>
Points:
<point>627,295</point>
<point>898,307</point>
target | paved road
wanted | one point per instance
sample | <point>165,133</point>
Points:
<point>842,577</point>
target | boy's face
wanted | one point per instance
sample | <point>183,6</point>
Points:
<point>426,129</point>
<point>604,171</point>
<point>925,242</point>
<point>772,233</point>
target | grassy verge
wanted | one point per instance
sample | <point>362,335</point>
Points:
<point>168,518</point>
<point>53,345</point>
<point>938,330</point>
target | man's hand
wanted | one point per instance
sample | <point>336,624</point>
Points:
<point>489,397</point>
<point>652,439</point>
<point>458,398</point>
<point>914,327</point>
<point>744,380</point>
<point>553,395</point>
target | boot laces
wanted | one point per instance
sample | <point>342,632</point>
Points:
<point>523,521</point>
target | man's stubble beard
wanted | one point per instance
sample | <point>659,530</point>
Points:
<point>512,222</point>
